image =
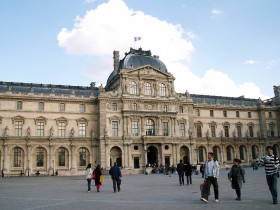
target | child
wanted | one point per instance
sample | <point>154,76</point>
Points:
<point>237,176</point>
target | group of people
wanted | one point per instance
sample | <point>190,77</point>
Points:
<point>237,175</point>
<point>184,169</point>
<point>96,174</point>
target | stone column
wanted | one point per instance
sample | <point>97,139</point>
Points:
<point>73,159</point>
<point>143,126</point>
<point>162,155</point>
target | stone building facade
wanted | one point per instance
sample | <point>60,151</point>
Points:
<point>136,119</point>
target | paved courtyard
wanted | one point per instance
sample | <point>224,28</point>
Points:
<point>153,191</point>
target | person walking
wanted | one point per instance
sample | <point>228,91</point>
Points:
<point>98,173</point>
<point>271,164</point>
<point>202,170</point>
<point>188,173</point>
<point>211,174</point>
<point>115,173</point>
<point>181,169</point>
<point>237,176</point>
<point>89,172</point>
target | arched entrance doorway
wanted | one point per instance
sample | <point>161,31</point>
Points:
<point>116,156</point>
<point>152,155</point>
<point>184,154</point>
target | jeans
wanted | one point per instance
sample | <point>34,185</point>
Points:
<point>272,184</point>
<point>115,185</point>
<point>89,184</point>
<point>181,179</point>
<point>211,180</point>
<point>189,179</point>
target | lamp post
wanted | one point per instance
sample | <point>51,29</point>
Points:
<point>3,169</point>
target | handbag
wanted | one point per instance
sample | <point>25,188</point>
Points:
<point>101,179</point>
<point>93,176</point>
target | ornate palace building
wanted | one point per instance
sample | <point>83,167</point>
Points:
<point>136,119</point>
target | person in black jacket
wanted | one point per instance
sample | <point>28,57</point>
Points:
<point>115,173</point>
<point>181,170</point>
<point>98,173</point>
<point>188,173</point>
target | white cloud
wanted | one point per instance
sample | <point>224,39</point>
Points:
<point>250,62</point>
<point>89,1</point>
<point>216,12</point>
<point>112,26</point>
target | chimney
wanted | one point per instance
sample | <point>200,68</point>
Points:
<point>116,60</point>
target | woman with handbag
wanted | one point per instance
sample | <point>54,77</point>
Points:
<point>97,172</point>
<point>89,172</point>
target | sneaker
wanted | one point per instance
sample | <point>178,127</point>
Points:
<point>204,200</point>
<point>89,191</point>
<point>216,200</point>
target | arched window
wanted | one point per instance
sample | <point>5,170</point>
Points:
<point>40,157</point>
<point>83,155</point>
<point>150,127</point>
<point>61,156</point>
<point>148,89</point>
<point>216,152</point>
<point>133,88</point>
<point>242,152</point>
<point>229,152</point>
<point>201,154</point>
<point>162,89</point>
<point>254,151</point>
<point>17,156</point>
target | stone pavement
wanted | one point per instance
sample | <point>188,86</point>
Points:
<point>153,191</point>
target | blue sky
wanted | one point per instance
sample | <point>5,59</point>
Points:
<point>212,47</point>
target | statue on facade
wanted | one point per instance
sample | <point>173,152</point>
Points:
<point>222,133</point>
<point>6,131</point>
<point>105,131</point>
<point>28,132</point>
<point>190,132</point>
<point>72,132</point>
<point>208,133</point>
<point>187,94</point>
<point>93,134</point>
<point>234,133</point>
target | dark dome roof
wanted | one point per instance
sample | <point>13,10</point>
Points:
<point>136,59</point>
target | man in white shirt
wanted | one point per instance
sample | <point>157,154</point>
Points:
<point>211,174</point>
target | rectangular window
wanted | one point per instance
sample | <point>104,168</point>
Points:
<point>211,113</point>
<point>270,114</point>
<point>62,107</point>
<point>17,157</point>
<point>181,109</point>
<point>114,128</point>
<point>199,130</point>
<point>82,129</point>
<point>213,130</point>
<point>40,129</point>
<point>249,115</point>
<point>225,113</point>
<point>134,128</point>
<point>82,108</point>
<point>271,130</point>
<point>18,128</point>
<point>239,132</point>
<point>61,129</point>
<point>197,112</point>
<point>251,131</point>
<point>19,105</point>
<point>41,106</point>
<point>182,129</point>
<point>165,128</point>
<point>114,107</point>
<point>237,114</point>
<point>226,129</point>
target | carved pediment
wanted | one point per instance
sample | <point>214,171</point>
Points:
<point>40,119</point>
<point>114,118</point>
<point>18,118</point>
<point>81,120</point>
<point>61,119</point>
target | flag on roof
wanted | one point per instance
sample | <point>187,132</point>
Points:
<point>137,38</point>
